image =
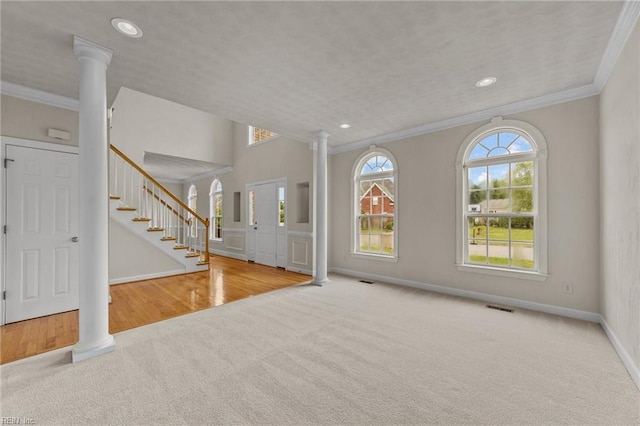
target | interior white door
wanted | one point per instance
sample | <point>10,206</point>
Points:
<point>266,223</point>
<point>42,229</point>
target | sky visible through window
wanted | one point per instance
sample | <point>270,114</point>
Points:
<point>377,164</point>
<point>500,144</point>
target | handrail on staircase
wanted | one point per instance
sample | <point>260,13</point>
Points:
<point>204,221</point>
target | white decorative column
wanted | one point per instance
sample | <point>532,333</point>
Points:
<point>321,209</point>
<point>94,202</point>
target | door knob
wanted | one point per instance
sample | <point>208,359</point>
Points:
<point>75,239</point>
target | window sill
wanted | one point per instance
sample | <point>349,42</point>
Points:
<point>510,273</point>
<point>372,256</point>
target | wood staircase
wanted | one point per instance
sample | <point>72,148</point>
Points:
<point>145,207</point>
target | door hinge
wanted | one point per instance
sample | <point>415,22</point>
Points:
<point>4,295</point>
<point>5,228</point>
<point>6,160</point>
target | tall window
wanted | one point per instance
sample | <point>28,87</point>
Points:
<point>257,134</point>
<point>375,203</point>
<point>503,181</point>
<point>192,203</point>
<point>215,210</point>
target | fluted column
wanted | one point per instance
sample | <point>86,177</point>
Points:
<point>321,209</point>
<point>94,202</point>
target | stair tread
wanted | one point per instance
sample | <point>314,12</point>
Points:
<point>141,219</point>
<point>155,229</point>
<point>180,247</point>
<point>168,239</point>
<point>126,209</point>
<point>114,197</point>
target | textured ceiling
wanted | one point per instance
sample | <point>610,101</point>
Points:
<point>296,67</point>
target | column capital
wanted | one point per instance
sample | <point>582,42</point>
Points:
<point>86,48</point>
<point>321,135</point>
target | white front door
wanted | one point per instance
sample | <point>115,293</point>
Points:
<point>265,223</point>
<point>42,223</point>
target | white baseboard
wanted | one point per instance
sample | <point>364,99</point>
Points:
<point>239,256</point>
<point>146,276</point>
<point>634,370</point>
<point>518,303</point>
<point>300,270</point>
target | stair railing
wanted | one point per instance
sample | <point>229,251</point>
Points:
<point>164,212</point>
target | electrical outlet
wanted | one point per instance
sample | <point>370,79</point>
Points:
<point>567,288</point>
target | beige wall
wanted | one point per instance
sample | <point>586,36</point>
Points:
<point>143,122</point>
<point>620,199</point>
<point>32,120</point>
<point>269,160</point>
<point>426,209</point>
<point>131,257</point>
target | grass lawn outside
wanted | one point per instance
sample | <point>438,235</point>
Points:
<point>503,261</point>
<point>517,234</point>
<point>368,249</point>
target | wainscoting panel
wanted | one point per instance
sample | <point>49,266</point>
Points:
<point>234,240</point>
<point>300,252</point>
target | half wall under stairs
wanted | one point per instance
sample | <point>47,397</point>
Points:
<point>129,219</point>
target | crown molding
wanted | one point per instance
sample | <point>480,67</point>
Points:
<point>514,108</point>
<point>625,24</point>
<point>621,32</point>
<point>35,95</point>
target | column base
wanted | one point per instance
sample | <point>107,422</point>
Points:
<point>81,351</point>
<point>320,282</point>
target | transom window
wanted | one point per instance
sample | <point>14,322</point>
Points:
<point>215,210</point>
<point>375,180</point>
<point>503,202</point>
<point>257,134</point>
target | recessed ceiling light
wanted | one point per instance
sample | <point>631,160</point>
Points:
<point>488,81</point>
<point>127,28</point>
<point>345,126</point>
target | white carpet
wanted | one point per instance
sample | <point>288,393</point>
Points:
<point>345,353</point>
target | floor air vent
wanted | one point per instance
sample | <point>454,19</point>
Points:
<point>366,282</point>
<point>499,308</point>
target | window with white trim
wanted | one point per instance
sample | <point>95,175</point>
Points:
<point>257,135</point>
<point>374,204</point>
<point>215,210</point>
<point>502,193</point>
<point>192,203</point>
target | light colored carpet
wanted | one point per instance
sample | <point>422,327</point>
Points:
<point>345,353</point>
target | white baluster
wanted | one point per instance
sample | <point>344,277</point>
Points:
<point>115,174</point>
<point>131,179</point>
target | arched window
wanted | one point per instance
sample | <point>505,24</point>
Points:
<point>375,204</point>
<point>215,210</point>
<point>192,203</point>
<point>502,199</point>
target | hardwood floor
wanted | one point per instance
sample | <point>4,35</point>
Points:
<point>145,302</point>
